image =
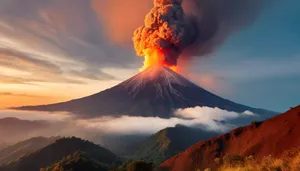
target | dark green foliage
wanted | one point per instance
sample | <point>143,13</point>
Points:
<point>57,151</point>
<point>122,145</point>
<point>78,161</point>
<point>169,142</point>
<point>154,148</point>
<point>139,166</point>
<point>121,167</point>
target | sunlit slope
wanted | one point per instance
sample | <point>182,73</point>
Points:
<point>274,136</point>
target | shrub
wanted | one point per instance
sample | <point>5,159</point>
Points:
<point>287,162</point>
<point>233,160</point>
<point>217,161</point>
<point>139,166</point>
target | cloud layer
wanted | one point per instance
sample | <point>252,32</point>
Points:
<point>212,119</point>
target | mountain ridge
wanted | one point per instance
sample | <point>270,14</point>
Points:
<point>58,150</point>
<point>22,148</point>
<point>169,142</point>
<point>77,161</point>
<point>155,92</point>
<point>13,129</point>
<point>273,136</point>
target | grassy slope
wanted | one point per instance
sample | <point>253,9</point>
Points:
<point>57,151</point>
<point>290,160</point>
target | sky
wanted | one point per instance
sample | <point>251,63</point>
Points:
<point>52,51</point>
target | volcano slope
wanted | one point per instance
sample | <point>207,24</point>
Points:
<point>273,136</point>
<point>154,92</point>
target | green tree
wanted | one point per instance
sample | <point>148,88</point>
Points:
<point>139,166</point>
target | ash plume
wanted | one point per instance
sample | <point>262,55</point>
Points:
<point>216,20</point>
<point>193,27</point>
<point>167,29</point>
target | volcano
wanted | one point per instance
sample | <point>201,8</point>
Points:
<point>154,92</point>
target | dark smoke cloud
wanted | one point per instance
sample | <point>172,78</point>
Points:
<point>216,20</point>
<point>167,29</point>
<point>195,29</point>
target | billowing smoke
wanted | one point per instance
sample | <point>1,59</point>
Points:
<point>166,29</point>
<point>216,20</point>
<point>193,27</point>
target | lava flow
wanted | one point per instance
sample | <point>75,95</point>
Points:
<point>154,58</point>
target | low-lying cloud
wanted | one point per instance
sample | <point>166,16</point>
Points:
<point>35,116</point>
<point>65,124</point>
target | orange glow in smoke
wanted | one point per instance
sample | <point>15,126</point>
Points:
<point>154,58</point>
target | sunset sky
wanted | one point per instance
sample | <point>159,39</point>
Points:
<point>52,51</point>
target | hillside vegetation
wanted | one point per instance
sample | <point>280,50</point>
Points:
<point>56,152</point>
<point>259,139</point>
<point>13,152</point>
<point>77,161</point>
<point>289,161</point>
<point>169,142</point>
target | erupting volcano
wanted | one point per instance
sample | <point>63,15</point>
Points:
<point>157,90</point>
<point>166,33</point>
<point>156,58</point>
<point>154,92</point>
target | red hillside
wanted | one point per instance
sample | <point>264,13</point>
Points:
<point>273,136</point>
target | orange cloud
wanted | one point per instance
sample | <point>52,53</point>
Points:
<point>13,100</point>
<point>121,18</point>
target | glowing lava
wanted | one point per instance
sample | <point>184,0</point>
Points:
<point>156,58</point>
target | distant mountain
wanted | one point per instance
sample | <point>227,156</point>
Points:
<point>154,92</point>
<point>13,130</point>
<point>57,151</point>
<point>77,161</point>
<point>13,152</point>
<point>273,136</point>
<point>121,145</point>
<point>169,142</point>
<point>2,145</point>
